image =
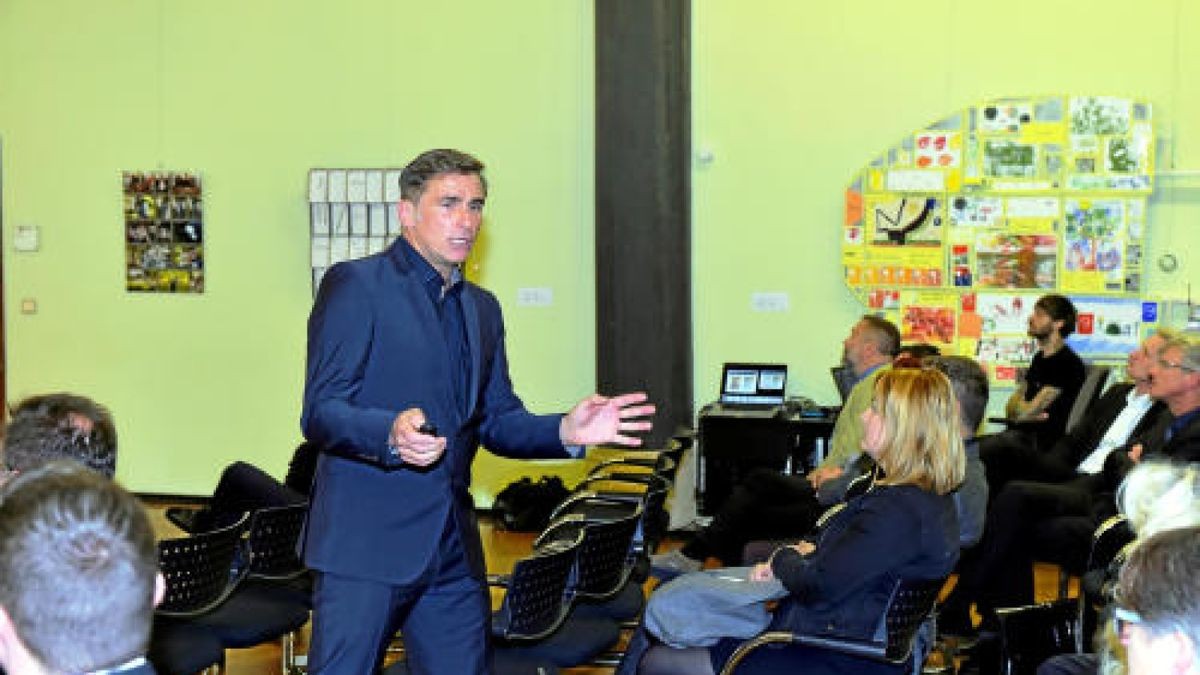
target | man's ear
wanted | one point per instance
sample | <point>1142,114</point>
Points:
<point>405,210</point>
<point>160,588</point>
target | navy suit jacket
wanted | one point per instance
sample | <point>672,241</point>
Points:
<point>376,348</point>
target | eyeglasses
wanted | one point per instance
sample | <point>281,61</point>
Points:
<point>1122,620</point>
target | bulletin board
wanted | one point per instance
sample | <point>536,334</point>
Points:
<point>352,213</point>
<point>955,231</point>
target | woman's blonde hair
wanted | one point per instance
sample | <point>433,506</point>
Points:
<point>923,438</point>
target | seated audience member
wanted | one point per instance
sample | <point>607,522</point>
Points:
<point>1030,520</point>
<point>1055,374</point>
<point>903,527</point>
<point>60,426</point>
<point>1156,497</point>
<point>769,505</point>
<point>78,575</point>
<point>241,488</point>
<point>1174,380</point>
<point>1046,392</point>
<point>1124,412</point>
<point>1158,610</point>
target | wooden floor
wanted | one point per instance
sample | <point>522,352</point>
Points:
<point>502,549</point>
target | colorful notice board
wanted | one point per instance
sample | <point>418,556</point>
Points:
<point>958,228</point>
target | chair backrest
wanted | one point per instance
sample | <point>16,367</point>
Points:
<point>911,603</point>
<point>1031,634</point>
<point>1108,540</point>
<point>604,562</point>
<point>1095,376</point>
<point>274,534</point>
<point>606,552</point>
<point>540,592</point>
<point>199,570</point>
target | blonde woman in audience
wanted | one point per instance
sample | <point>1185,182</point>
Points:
<point>904,527</point>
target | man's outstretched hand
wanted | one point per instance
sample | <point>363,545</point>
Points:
<point>604,420</point>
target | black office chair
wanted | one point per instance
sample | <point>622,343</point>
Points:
<point>1033,633</point>
<point>199,578</point>
<point>264,607</point>
<point>910,604</point>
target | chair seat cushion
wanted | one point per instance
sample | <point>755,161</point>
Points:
<point>179,647</point>
<point>578,641</point>
<point>626,605</point>
<point>256,614</point>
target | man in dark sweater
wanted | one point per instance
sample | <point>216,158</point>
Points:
<point>1046,394</point>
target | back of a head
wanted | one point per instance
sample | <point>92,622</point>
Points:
<point>970,385</point>
<point>1158,496</point>
<point>77,568</point>
<point>883,334</point>
<point>1158,582</point>
<point>60,426</point>
<point>1059,308</point>
<point>923,438</point>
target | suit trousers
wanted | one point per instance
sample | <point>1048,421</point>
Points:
<point>444,617</point>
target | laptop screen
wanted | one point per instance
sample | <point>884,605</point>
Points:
<point>753,384</point>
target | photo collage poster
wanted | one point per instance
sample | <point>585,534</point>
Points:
<point>164,232</point>
<point>1009,198</point>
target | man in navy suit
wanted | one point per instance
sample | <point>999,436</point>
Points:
<point>406,376</point>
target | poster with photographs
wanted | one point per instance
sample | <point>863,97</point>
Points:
<point>164,232</point>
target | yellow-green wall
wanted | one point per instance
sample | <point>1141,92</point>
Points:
<point>251,95</point>
<point>790,98</point>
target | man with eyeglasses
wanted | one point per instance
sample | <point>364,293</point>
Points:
<point>1174,380</point>
<point>1158,604</point>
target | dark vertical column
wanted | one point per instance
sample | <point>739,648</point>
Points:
<point>643,204</point>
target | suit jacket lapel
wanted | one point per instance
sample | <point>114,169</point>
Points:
<point>471,319</point>
<point>427,322</point>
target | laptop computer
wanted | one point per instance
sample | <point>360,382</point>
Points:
<point>752,386</point>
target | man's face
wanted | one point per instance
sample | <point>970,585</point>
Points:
<point>1041,326</point>
<point>857,347</point>
<point>444,222</point>
<point>1138,363</point>
<point>1168,378</point>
